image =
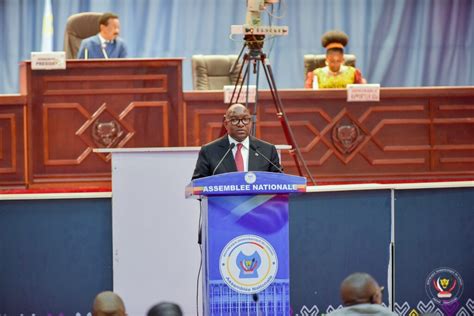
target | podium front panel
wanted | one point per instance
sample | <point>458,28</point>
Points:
<point>247,252</point>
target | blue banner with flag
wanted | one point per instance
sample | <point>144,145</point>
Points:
<point>48,29</point>
<point>246,242</point>
<point>248,255</point>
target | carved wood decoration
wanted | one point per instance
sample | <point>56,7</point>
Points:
<point>12,141</point>
<point>98,104</point>
<point>411,134</point>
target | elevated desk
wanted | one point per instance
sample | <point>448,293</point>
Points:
<point>97,103</point>
<point>412,134</point>
<point>13,140</point>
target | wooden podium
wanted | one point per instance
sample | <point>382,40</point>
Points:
<point>98,104</point>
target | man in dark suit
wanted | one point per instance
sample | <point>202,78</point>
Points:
<point>248,153</point>
<point>106,44</point>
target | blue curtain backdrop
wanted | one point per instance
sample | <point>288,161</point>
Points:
<point>397,43</point>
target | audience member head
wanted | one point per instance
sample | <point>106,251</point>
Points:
<point>109,26</point>
<point>360,288</point>
<point>238,122</point>
<point>334,43</point>
<point>165,309</point>
<point>108,304</point>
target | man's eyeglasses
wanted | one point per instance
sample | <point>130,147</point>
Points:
<point>236,121</point>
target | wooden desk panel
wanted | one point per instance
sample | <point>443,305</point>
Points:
<point>411,134</point>
<point>97,104</point>
<point>12,141</point>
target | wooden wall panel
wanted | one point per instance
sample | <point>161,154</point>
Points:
<point>411,134</point>
<point>12,141</point>
<point>99,104</point>
<point>47,134</point>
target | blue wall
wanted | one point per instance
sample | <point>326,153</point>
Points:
<point>397,43</point>
<point>434,230</point>
<point>333,235</point>
<point>56,255</point>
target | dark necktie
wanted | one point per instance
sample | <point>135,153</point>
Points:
<point>239,160</point>
<point>108,46</point>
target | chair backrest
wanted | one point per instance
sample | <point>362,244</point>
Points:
<point>213,72</point>
<point>311,61</point>
<point>78,27</point>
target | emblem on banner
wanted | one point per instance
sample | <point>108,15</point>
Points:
<point>248,264</point>
<point>250,177</point>
<point>444,285</point>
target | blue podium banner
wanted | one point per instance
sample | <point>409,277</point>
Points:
<point>238,183</point>
<point>248,255</point>
<point>246,245</point>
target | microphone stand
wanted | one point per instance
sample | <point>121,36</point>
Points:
<point>258,153</point>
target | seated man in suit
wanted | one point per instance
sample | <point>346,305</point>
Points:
<point>108,304</point>
<point>236,151</point>
<point>106,44</point>
<point>361,295</point>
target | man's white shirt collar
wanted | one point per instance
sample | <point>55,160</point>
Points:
<point>245,142</point>
<point>103,41</point>
<point>245,150</point>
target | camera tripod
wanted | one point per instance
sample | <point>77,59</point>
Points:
<point>256,58</point>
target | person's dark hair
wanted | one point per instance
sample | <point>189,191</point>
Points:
<point>334,36</point>
<point>165,309</point>
<point>104,19</point>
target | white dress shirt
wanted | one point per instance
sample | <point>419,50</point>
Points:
<point>103,45</point>
<point>245,150</point>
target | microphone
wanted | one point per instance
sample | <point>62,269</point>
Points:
<point>255,299</point>
<point>257,152</point>
<point>231,146</point>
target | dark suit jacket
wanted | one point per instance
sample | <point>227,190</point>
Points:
<point>117,49</point>
<point>212,153</point>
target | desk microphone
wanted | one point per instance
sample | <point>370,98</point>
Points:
<point>231,146</point>
<point>257,152</point>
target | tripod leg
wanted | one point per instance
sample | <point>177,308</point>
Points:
<point>238,85</point>
<point>284,121</point>
<point>248,84</point>
<point>253,132</point>
<point>237,61</point>
<point>240,79</point>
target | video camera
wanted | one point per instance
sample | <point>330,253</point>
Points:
<point>253,21</point>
